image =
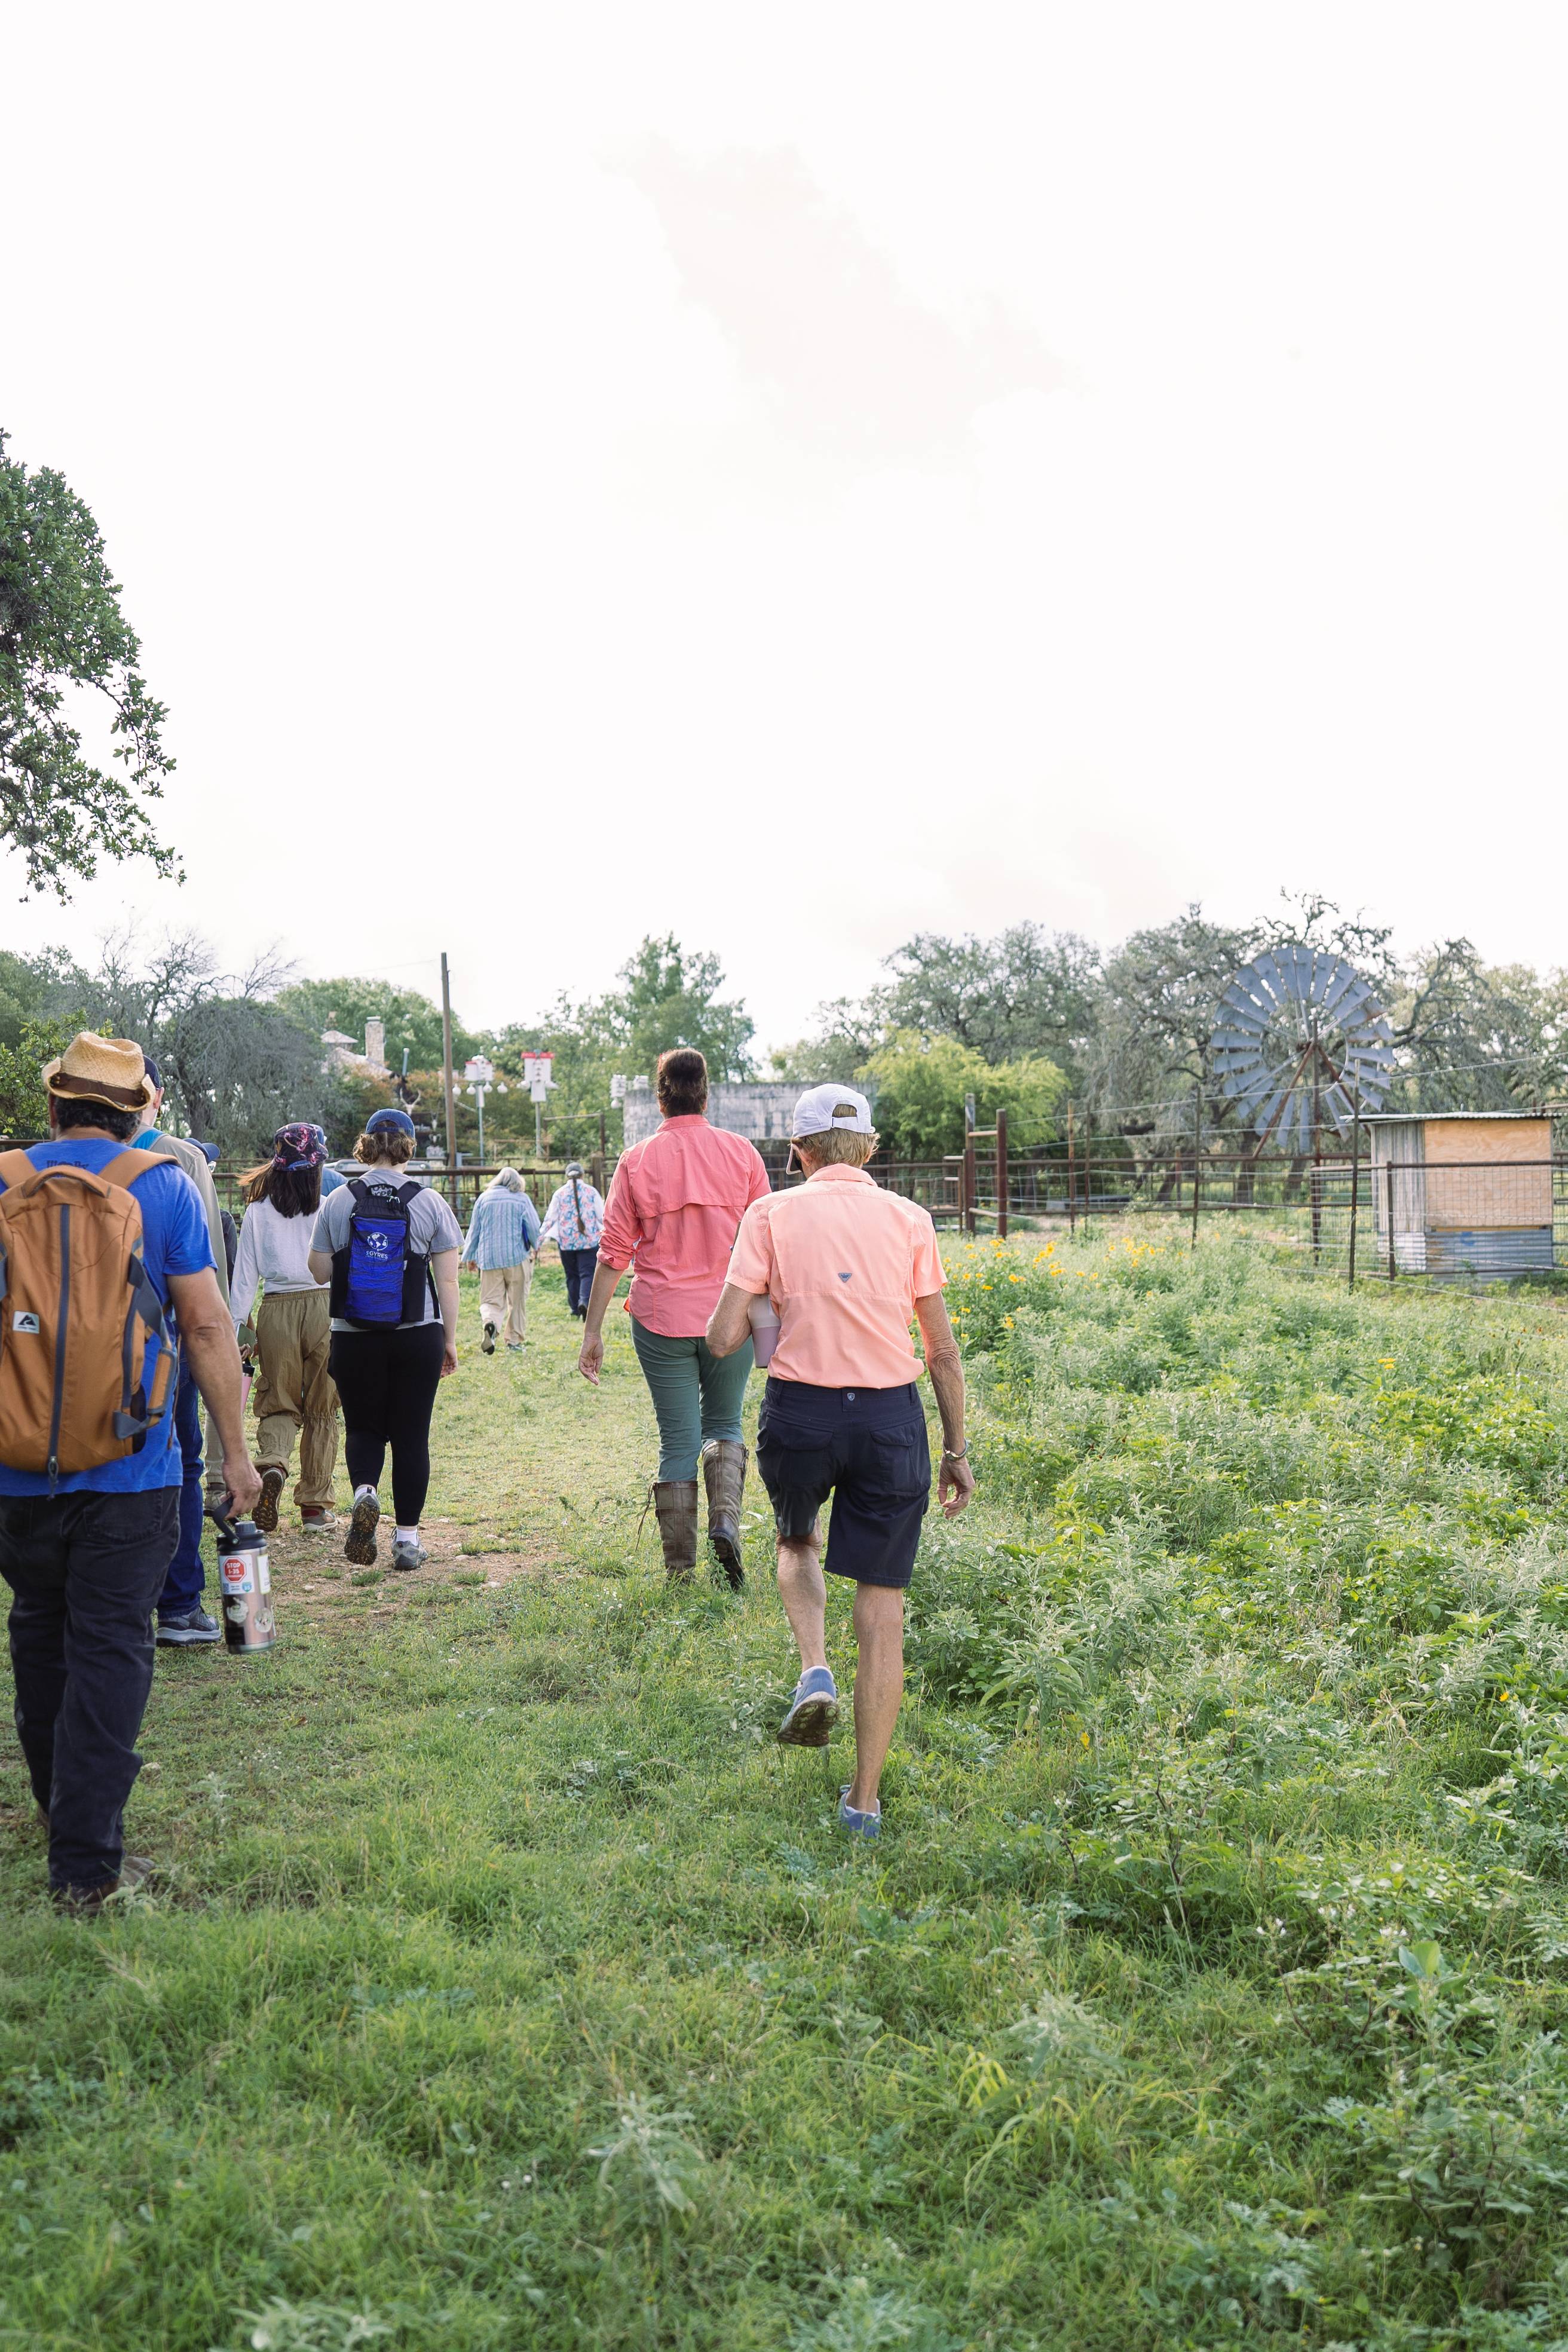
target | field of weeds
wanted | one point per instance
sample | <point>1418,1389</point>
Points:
<point>507,1985</point>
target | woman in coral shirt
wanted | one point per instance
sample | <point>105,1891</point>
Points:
<point>675,1206</point>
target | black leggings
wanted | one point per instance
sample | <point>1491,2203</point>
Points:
<point>386,1381</point>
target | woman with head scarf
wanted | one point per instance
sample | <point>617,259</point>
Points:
<point>503,1233</point>
<point>573,1221</point>
<point>294,1388</point>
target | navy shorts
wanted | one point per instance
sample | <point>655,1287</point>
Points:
<point>868,1449</point>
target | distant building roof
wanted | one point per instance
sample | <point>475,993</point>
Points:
<point>1405,1117</point>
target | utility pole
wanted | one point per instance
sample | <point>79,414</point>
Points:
<point>447,1081</point>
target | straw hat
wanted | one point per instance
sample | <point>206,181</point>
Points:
<point>102,1069</point>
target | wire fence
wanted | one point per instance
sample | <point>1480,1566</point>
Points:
<point>1366,1219</point>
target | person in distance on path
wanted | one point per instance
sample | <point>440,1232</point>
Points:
<point>674,1204</point>
<point>502,1235</point>
<point>573,1221</point>
<point>386,1373</point>
<point>293,1333</point>
<point>848,1268</point>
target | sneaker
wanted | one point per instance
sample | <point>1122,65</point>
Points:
<point>406,1555</point>
<point>265,1511</point>
<point>360,1546</point>
<point>858,1824</point>
<point>135,1870</point>
<point>183,1633</point>
<point>813,1711</point>
<point>316,1520</point>
<point>487,1344</point>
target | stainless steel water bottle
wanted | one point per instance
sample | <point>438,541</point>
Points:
<point>245,1583</point>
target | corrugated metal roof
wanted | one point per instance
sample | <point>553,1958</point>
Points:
<point>1420,1117</point>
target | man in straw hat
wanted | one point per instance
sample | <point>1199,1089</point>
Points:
<point>848,1268</point>
<point>85,1551</point>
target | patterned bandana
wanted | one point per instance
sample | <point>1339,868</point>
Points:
<point>296,1147</point>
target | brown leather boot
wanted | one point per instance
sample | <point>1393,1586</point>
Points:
<point>675,1506</point>
<point>724,1473</point>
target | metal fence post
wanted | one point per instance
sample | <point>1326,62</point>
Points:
<point>1355,1178</point>
<point>1072,1176</point>
<point>1001,1175</point>
<point>1197,1152</point>
<point>1390,1258</point>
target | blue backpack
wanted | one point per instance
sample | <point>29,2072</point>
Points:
<point>378,1281</point>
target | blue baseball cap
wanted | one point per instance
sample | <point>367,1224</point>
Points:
<point>389,1122</point>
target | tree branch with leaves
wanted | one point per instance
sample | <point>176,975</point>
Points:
<point>61,629</point>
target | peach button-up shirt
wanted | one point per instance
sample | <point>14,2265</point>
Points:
<point>844,1263</point>
<point>675,1202</point>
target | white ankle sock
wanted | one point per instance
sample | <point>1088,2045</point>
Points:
<point>408,1535</point>
<point>361,1491</point>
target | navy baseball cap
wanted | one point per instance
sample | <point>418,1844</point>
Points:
<point>151,1067</point>
<point>389,1122</point>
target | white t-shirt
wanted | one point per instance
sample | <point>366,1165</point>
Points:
<point>432,1228</point>
<point>273,1256</point>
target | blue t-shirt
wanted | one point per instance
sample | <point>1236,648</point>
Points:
<point>174,1241</point>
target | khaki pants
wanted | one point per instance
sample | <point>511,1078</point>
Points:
<point>294,1390</point>
<point>504,1299</point>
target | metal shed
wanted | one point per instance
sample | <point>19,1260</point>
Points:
<point>1464,1192</point>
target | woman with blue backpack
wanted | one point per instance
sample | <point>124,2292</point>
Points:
<point>388,1246</point>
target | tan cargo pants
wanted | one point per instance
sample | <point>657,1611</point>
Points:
<point>294,1390</point>
<point>504,1299</point>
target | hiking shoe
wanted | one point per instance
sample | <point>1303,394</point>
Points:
<point>184,1633</point>
<point>487,1344</point>
<point>406,1555</point>
<point>85,1902</point>
<point>360,1545</point>
<point>813,1711</point>
<point>265,1511</point>
<point>315,1520</point>
<point>858,1824</point>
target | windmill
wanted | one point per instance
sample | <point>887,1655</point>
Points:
<point>1300,1042</point>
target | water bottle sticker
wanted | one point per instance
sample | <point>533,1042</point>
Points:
<point>263,1573</point>
<point>237,1577</point>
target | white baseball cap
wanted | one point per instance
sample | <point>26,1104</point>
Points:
<point>824,1106</point>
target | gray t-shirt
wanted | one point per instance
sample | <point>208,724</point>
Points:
<point>432,1227</point>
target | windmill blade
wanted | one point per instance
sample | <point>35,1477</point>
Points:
<point>1257,1042</point>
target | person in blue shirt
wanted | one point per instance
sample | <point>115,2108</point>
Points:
<point>86,1561</point>
<point>503,1234</point>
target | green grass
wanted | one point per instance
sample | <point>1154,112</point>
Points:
<point>508,1985</point>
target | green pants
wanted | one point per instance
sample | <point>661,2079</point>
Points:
<point>696,1395</point>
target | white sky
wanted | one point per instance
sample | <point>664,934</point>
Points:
<point>797,476</point>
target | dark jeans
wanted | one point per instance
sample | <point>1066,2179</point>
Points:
<point>85,1571</point>
<point>579,1265</point>
<point>186,1579</point>
<point>387,1383</point>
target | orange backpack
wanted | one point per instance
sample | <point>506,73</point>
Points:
<point>76,1306</point>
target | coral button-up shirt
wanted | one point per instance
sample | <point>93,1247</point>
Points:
<point>675,1203</point>
<point>844,1263</point>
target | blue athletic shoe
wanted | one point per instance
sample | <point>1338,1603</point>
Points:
<point>813,1711</point>
<point>858,1824</point>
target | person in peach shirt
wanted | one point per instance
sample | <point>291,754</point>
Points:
<point>674,1207</point>
<point>848,1268</point>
